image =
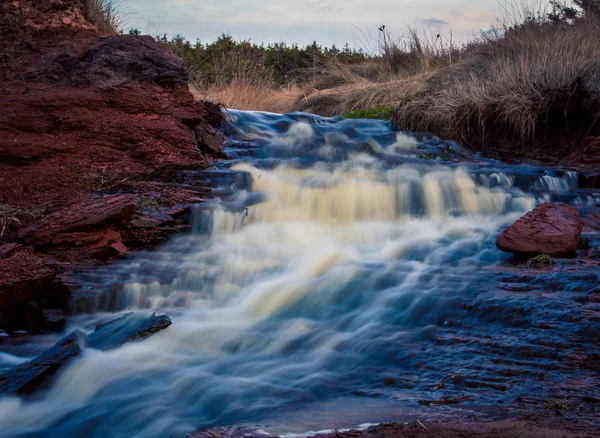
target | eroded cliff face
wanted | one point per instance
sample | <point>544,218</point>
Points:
<point>93,132</point>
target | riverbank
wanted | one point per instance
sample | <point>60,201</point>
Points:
<point>346,280</point>
<point>95,129</point>
<point>525,91</point>
<point>543,426</point>
<point>353,273</point>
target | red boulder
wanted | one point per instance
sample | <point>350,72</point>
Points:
<point>553,229</point>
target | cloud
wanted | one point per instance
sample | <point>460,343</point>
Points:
<point>293,21</point>
<point>433,22</point>
<point>324,7</point>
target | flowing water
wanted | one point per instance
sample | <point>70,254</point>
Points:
<point>341,273</point>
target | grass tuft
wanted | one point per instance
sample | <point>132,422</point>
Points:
<point>103,179</point>
<point>559,405</point>
<point>107,15</point>
<point>12,217</point>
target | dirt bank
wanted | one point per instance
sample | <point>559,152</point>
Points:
<point>93,131</point>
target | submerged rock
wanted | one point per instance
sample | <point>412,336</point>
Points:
<point>552,229</point>
<point>27,377</point>
<point>128,328</point>
<point>109,335</point>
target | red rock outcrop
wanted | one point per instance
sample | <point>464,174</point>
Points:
<point>553,229</point>
<point>93,130</point>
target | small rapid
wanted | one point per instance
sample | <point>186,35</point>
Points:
<point>342,271</point>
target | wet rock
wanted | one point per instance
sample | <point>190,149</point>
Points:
<point>31,375</point>
<point>591,155</point>
<point>227,432</point>
<point>593,181</point>
<point>110,335</point>
<point>128,328</point>
<point>552,229</point>
<point>444,401</point>
<point>542,426</point>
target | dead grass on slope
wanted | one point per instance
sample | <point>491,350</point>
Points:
<point>107,15</point>
<point>361,96</point>
<point>538,76</point>
<point>339,88</point>
<point>251,97</point>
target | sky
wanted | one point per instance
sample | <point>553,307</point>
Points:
<point>303,21</point>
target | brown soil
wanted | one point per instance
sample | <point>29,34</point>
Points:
<point>93,130</point>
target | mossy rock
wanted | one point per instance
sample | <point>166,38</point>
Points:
<point>446,154</point>
<point>148,203</point>
<point>540,262</point>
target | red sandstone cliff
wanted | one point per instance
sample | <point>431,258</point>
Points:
<point>93,129</point>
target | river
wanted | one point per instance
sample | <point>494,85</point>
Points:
<point>341,273</point>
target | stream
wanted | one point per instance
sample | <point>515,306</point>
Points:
<point>341,273</point>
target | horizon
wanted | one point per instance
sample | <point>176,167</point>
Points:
<point>328,22</point>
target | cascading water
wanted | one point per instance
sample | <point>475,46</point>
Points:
<point>342,274</point>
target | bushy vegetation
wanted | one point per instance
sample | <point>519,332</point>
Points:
<point>278,77</point>
<point>226,60</point>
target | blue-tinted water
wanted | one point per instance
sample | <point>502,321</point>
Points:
<point>342,271</point>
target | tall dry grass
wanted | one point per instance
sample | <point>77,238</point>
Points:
<point>532,75</point>
<point>338,88</point>
<point>243,82</point>
<point>512,83</point>
<point>250,96</point>
<point>400,72</point>
<point>107,15</point>
<point>358,96</point>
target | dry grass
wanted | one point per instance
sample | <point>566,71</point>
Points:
<point>252,97</point>
<point>107,15</point>
<point>343,89</point>
<point>242,82</point>
<point>512,82</point>
<point>363,95</point>
<point>526,79</point>
<point>103,179</point>
<point>13,217</point>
